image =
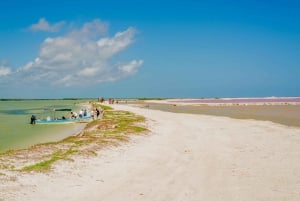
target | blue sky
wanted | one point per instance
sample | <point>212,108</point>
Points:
<point>57,49</point>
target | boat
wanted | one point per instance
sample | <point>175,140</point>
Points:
<point>52,119</point>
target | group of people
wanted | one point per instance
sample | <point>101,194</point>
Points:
<point>83,113</point>
<point>110,100</point>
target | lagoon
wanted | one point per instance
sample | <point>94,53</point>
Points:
<point>17,133</point>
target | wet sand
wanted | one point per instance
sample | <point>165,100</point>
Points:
<point>283,114</point>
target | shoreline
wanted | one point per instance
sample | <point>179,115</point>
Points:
<point>16,132</point>
<point>278,113</point>
<point>185,157</point>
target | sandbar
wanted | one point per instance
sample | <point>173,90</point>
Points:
<point>185,157</point>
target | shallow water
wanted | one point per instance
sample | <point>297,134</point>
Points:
<point>16,132</point>
<point>283,114</point>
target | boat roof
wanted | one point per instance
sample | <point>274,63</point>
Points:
<point>59,109</point>
<point>63,109</point>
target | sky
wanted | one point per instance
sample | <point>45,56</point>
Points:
<point>135,49</point>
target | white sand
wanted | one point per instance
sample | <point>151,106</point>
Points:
<point>185,158</point>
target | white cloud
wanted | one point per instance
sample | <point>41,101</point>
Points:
<point>80,57</point>
<point>131,67</point>
<point>88,72</point>
<point>90,30</point>
<point>111,46</point>
<point>43,25</point>
<point>4,71</point>
<point>4,68</point>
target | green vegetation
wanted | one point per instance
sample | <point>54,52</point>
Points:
<point>46,164</point>
<point>113,128</point>
<point>104,107</point>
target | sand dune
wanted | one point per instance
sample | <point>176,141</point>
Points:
<point>185,158</point>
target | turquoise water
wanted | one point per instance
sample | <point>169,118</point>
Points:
<point>16,132</point>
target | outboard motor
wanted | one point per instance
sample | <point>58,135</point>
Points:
<point>32,119</point>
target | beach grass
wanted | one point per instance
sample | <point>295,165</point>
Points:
<point>112,129</point>
<point>46,164</point>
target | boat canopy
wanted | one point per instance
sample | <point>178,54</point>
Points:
<point>63,109</point>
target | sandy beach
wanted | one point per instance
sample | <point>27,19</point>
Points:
<point>185,157</point>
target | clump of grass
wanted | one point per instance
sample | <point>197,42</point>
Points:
<point>7,166</point>
<point>46,164</point>
<point>104,107</point>
<point>2,174</point>
<point>93,152</point>
<point>138,129</point>
<point>123,122</point>
<point>8,152</point>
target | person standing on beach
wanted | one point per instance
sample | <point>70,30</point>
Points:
<point>97,112</point>
<point>32,119</point>
<point>81,113</point>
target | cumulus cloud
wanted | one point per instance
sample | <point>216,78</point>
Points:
<point>43,25</point>
<point>80,57</point>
